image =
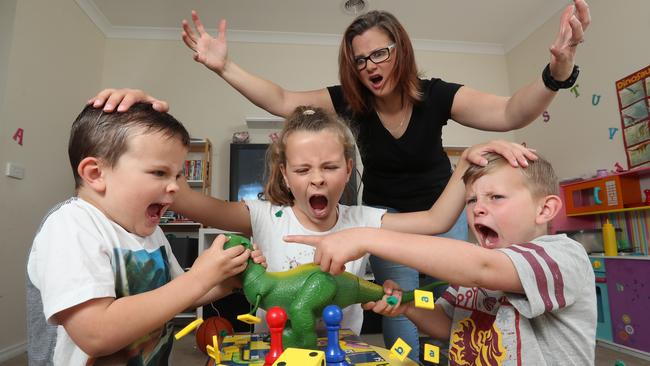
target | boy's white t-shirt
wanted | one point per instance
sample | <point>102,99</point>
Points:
<point>78,254</point>
<point>270,223</point>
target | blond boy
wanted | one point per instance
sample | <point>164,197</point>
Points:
<point>519,297</point>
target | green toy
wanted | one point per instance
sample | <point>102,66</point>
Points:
<point>303,292</point>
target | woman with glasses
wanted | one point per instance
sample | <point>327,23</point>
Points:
<point>398,117</point>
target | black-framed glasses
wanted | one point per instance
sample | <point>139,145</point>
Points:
<point>377,57</point>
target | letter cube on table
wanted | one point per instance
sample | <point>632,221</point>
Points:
<point>400,349</point>
<point>424,299</point>
<point>431,353</point>
<point>300,357</point>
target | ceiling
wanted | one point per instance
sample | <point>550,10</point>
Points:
<point>493,26</point>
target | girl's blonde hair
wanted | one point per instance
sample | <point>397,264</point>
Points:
<point>303,118</point>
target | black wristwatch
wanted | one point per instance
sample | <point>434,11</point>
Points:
<point>555,85</point>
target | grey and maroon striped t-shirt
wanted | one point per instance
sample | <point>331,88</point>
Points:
<point>552,323</point>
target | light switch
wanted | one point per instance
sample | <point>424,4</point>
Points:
<point>15,170</point>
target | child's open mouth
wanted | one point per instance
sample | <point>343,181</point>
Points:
<point>488,237</point>
<point>155,212</point>
<point>318,204</point>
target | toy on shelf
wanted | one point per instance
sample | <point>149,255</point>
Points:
<point>304,292</point>
<point>609,239</point>
<point>212,326</point>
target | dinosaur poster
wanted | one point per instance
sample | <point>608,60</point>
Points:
<point>633,93</point>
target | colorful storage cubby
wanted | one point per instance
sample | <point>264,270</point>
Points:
<point>608,193</point>
<point>604,320</point>
<point>627,282</point>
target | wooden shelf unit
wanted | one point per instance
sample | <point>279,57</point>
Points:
<point>181,233</point>
<point>200,150</point>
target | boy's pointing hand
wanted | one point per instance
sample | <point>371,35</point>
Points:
<point>332,250</point>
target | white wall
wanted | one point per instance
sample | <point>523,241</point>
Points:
<point>54,65</point>
<point>57,59</point>
<point>7,12</point>
<point>211,108</point>
<point>576,138</point>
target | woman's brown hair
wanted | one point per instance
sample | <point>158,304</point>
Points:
<point>404,75</point>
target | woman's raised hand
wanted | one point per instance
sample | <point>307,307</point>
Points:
<point>210,51</point>
<point>573,24</point>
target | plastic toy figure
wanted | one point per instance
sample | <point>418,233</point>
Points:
<point>304,292</point>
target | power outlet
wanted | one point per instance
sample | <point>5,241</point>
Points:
<point>15,170</point>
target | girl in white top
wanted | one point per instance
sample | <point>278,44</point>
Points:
<point>308,168</point>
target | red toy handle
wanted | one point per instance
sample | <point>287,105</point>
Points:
<point>276,318</point>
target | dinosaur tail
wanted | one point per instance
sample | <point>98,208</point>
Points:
<point>408,296</point>
<point>370,291</point>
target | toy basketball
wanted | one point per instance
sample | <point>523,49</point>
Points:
<point>214,325</point>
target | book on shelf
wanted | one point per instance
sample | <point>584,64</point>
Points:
<point>171,217</point>
<point>193,170</point>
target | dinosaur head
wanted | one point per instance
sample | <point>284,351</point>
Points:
<point>252,272</point>
<point>252,269</point>
<point>234,240</point>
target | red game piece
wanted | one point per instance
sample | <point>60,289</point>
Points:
<point>276,318</point>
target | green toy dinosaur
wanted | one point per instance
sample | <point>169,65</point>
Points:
<point>303,292</point>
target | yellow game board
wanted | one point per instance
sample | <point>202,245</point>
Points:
<point>250,349</point>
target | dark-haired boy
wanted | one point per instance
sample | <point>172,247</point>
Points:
<point>103,283</point>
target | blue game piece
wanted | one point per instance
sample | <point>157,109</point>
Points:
<point>334,355</point>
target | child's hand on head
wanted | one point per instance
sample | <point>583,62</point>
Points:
<point>516,154</point>
<point>391,289</point>
<point>258,257</point>
<point>216,264</point>
<point>123,99</point>
<point>332,250</point>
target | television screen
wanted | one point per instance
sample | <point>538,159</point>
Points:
<point>246,171</point>
<point>247,174</point>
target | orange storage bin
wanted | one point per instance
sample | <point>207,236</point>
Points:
<point>602,194</point>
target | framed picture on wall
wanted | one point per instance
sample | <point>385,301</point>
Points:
<point>633,93</point>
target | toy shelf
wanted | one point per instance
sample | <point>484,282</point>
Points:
<point>610,211</point>
<point>616,192</point>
